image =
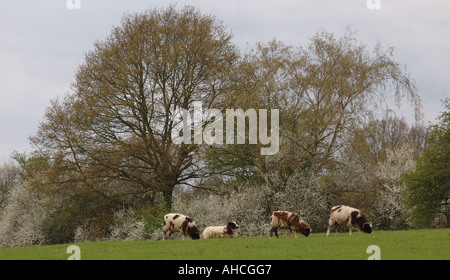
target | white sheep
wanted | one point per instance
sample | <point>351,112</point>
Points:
<point>342,215</point>
<point>175,222</point>
<point>289,220</point>
<point>228,231</point>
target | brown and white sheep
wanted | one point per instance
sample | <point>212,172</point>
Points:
<point>228,231</point>
<point>175,222</point>
<point>289,220</point>
<point>350,217</point>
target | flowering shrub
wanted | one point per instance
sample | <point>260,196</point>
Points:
<point>389,211</point>
<point>21,219</point>
<point>127,225</point>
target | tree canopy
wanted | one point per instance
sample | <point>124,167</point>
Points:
<point>115,128</point>
<point>429,184</point>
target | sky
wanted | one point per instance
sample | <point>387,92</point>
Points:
<point>42,42</point>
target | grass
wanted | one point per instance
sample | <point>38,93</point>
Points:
<point>394,245</point>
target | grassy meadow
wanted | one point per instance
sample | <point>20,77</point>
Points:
<point>423,244</point>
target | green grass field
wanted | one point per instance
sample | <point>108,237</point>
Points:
<point>394,245</point>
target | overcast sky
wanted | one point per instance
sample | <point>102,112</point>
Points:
<point>43,41</point>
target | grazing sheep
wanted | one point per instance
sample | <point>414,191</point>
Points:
<point>228,231</point>
<point>350,217</point>
<point>175,222</point>
<point>291,221</point>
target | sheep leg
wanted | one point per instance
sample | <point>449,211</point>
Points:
<point>331,225</point>
<point>273,230</point>
<point>164,236</point>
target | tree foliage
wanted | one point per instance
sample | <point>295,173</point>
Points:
<point>116,126</point>
<point>325,93</point>
<point>429,185</point>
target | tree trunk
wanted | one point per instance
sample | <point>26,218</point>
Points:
<point>167,194</point>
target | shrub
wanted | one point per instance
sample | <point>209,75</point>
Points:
<point>128,225</point>
<point>388,212</point>
<point>153,217</point>
<point>21,219</point>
